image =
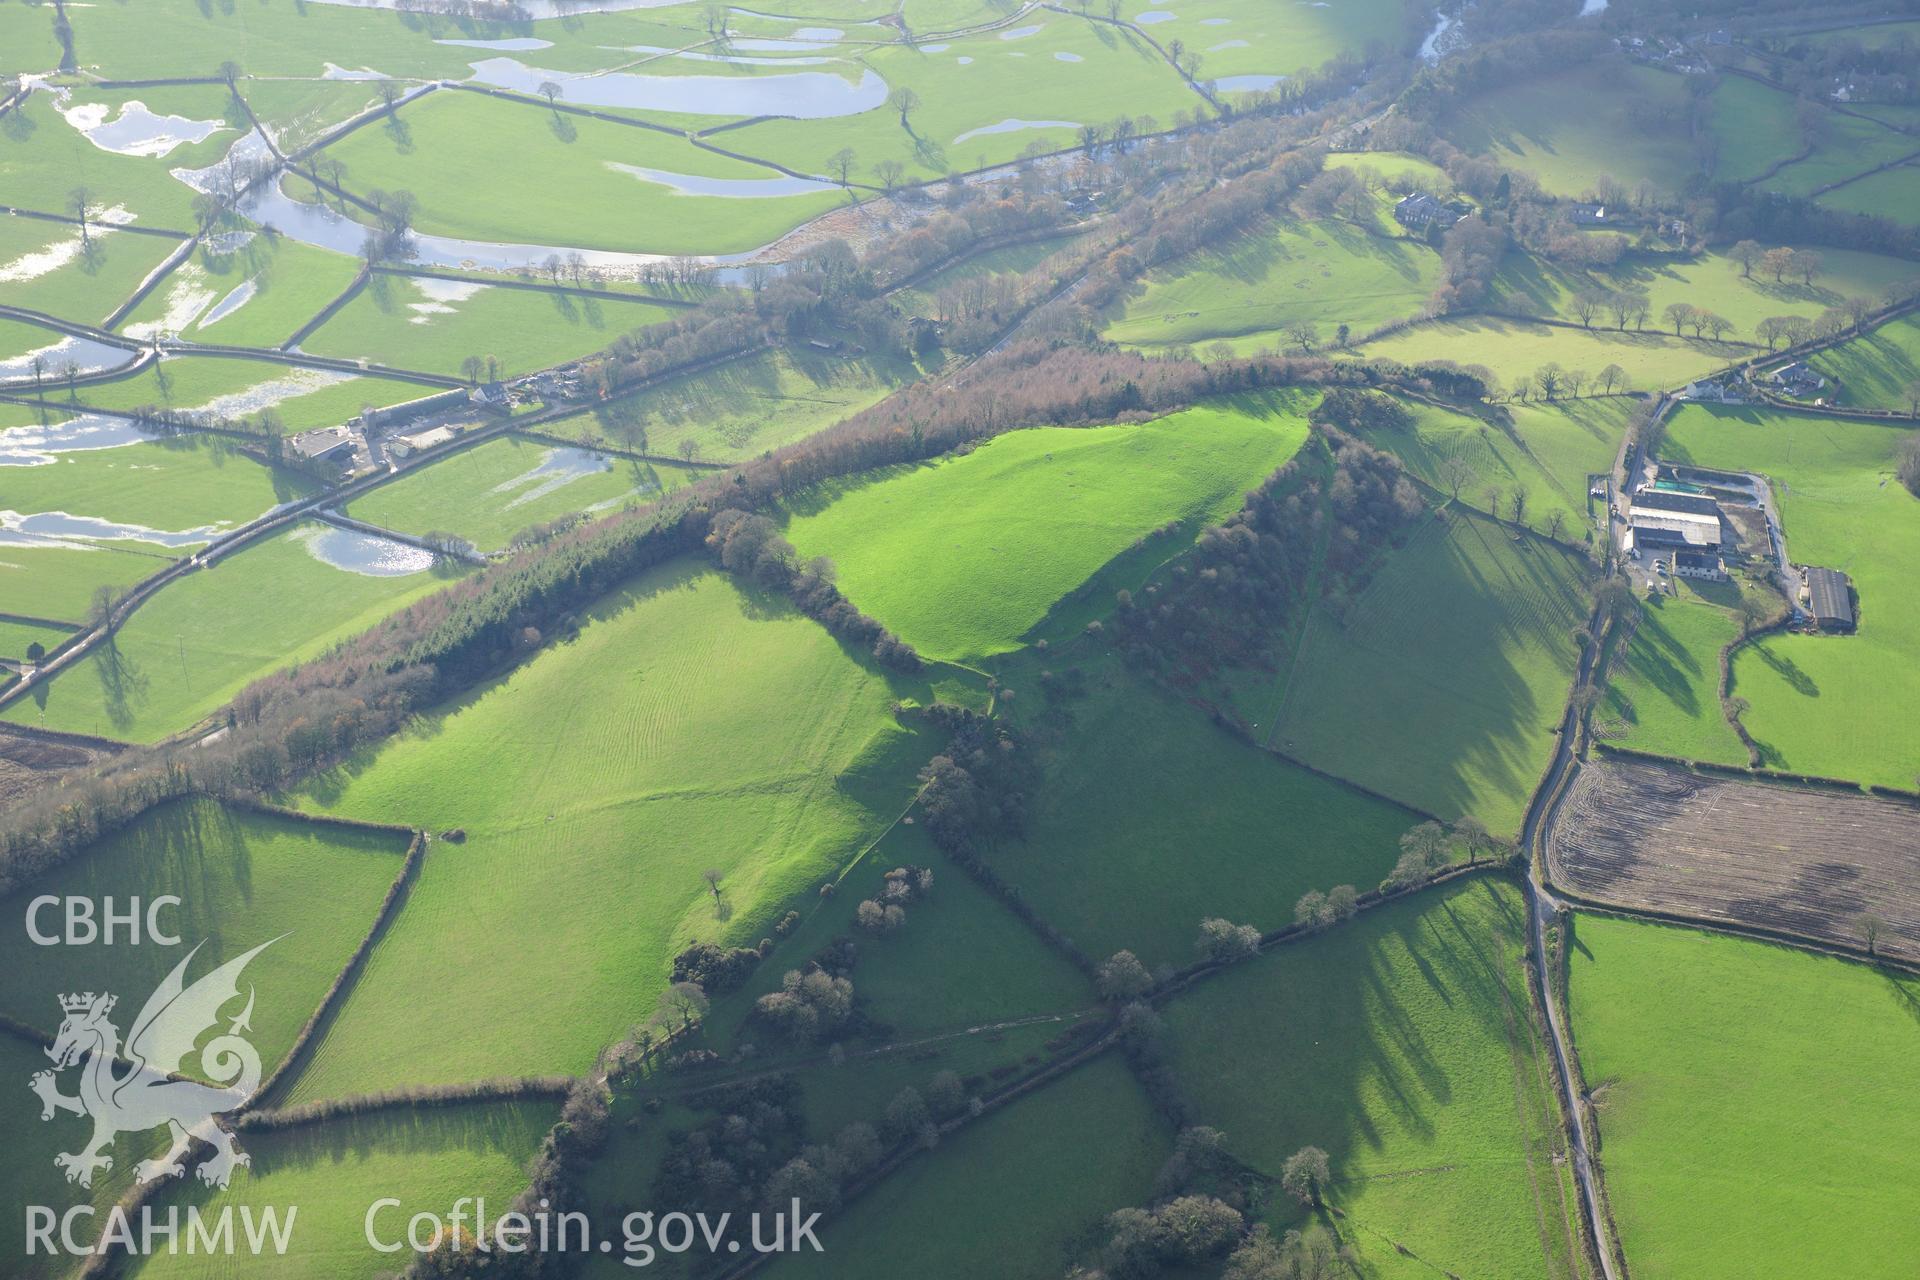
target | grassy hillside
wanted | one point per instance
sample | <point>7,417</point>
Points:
<point>1547,451</point>
<point>1753,1101</point>
<point>1283,273</point>
<point>1569,128</point>
<point>1711,282</point>
<point>33,1178</point>
<point>1442,682</point>
<point>1402,1044</point>
<point>963,556</point>
<point>1514,349</point>
<point>1890,193</point>
<point>1006,1197</point>
<point>335,1172</point>
<point>1149,818</point>
<point>1663,694</point>
<point>741,408</point>
<point>202,639</point>
<point>1876,370</point>
<point>689,725</point>
<point>1831,705</point>
<point>243,879</point>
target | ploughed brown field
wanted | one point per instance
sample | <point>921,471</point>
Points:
<point>1790,859</point>
<point>27,763</point>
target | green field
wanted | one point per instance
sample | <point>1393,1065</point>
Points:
<point>33,1178</point>
<point>1546,450</point>
<point>1284,273</point>
<point>1663,694</point>
<point>46,266</point>
<point>964,556</point>
<point>1404,1046</point>
<point>334,1172</point>
<point>270,287</point>
<point>971,84</point>
<point>1877,369</point>
<point>16,636</point>
<point>45,157</point>
<point>1892,193</point>
<point>1754,126</point>
<point>415,322</point>
<point>492,491</point>
<point>1282,39</point>
<point>741,408</point>
<point>1849,145</point>
<point>1396,167</point>
<point>1711,282</point>
<point>908,979</point>
<point>1148,818</point>
<point>1754,1102</point>
<point>58,579</point>
<point>243,879</point>
<point>27,41</point>
<point>181,485</point>
<point>242,389</point>
<point>572,195</point>
<point>1007,1196</point>
<point>1569,128</point>
<point>200,640</point>
<point>1442,682</point>
<point>297,112</point>
<point>689,725</point>
<point>1514,349</point>
<point>1829,705</point>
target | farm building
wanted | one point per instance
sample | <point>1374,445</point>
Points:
<point>1419,211</point>
<point>1699,564</point>
<point>1829,598</point>
<point>403,446</point>
<point>329,444</point>
<point>1670,519</point>
<point>1682,500</point>
<point>1797,379</point>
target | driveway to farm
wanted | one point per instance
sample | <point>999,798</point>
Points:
<point>1541,906</point>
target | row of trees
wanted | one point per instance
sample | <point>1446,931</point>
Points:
<point>1431,847</point>
<point>752,546</point>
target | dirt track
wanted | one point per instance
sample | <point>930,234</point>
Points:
<point>1787,859</point>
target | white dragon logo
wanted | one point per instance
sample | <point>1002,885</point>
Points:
<point>149,1094</point>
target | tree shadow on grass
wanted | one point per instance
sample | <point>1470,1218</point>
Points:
<point>1787,669</point>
